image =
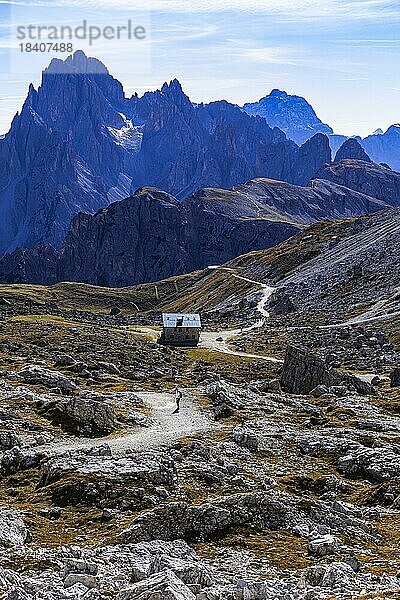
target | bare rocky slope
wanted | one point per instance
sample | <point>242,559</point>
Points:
<point>278,478</point>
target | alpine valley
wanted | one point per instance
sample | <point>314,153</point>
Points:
<point>275,473</point>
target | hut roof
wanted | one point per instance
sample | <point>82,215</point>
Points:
<point>181,320</point>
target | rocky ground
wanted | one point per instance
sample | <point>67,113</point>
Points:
<point>275,480</point>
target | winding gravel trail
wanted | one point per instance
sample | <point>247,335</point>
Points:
<point>167,428</point>
<point>218,341</point>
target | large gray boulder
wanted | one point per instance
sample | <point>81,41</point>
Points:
<point>375,464</point>
<point>303,372</point>
<point>13,531</point>
<point>178,520</point>
<point>280,303</point>
<point>48,378</point>
<point>328,575</point>
<point>245,438</point>
<point>149,558</point>
<point>80,416</point>
<point>323,545</point>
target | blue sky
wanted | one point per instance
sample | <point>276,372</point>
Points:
<point>342,55</point>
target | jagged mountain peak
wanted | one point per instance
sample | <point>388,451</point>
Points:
<point>173,86</point>
<point>352,149</point>
<point>292,114</point>
<point>79,78</point>
<point>395,128</point>
<point>77,90</point>
<point>170,94</point>
<point>174,92</point>
<point>275,93</point>
<point>76,63</point>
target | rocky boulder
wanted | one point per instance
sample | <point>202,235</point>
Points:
<point>328,576</point>
<point>395,378</point>
<point>156,556</point>
<point>224,399</point>
<point>13,531</point>
<point>246,439</point>
<point>179,520</point>
<point>94,477</point>
<point>47,378</point>
<point>80,416</point>
<point>161,586</point>
<point>303,372</point>
<point>280,303</point>
<point>323,545</point>
<point>374,464</point>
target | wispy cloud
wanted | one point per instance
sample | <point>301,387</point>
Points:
<point>341,54</point>
<point>273,55</point>
<point>296,9</point>
<point>185,33</point>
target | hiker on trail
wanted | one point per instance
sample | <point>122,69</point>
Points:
<point>178,397</point>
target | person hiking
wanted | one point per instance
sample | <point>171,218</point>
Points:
<point>178,397</point>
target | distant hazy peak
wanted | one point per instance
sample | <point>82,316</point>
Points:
<point>275,93</point>
<point>293,114</point>
<point>395,128</point>
<point>77,63</point>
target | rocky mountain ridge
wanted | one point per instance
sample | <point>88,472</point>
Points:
<point>151,235</point>
<point>79,143</point>
<point>378,181</point>
<point>297,118</point>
